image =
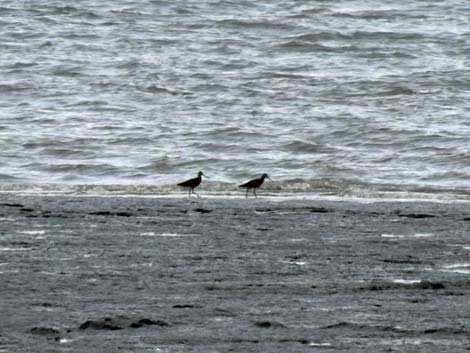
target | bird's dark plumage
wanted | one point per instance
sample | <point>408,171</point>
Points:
<point>192,183</point>
<point>254,184</point>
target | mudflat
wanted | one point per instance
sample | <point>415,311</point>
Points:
<point>133,274</point>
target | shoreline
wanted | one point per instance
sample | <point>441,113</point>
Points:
<point>277,191</point>
<point>268,197</point>
<point>172,274</point>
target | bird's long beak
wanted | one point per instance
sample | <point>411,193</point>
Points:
<point>269,178</point>
<point>205,176</point>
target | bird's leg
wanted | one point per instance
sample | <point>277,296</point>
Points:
<point>246,195</point>
<point>254,192</point>
<point>190,192</point>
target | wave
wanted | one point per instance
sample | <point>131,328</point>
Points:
<point>20,65</point>
<point>66,71</point>
<point>381,15</point>
<point>67,10</point>
<point>336,190</point>
<point>354,35</point>
<point>299,89</point>
<point>306,47</point>
<point>6,88</point>
<point>307,147</point>
<point>256,25</point>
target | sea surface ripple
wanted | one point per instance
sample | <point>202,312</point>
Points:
<point>329,93</point>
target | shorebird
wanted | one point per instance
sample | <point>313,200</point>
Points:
<point>193,183</point>
<point>254,184</point>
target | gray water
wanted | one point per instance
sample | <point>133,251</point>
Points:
<point>318,94</point>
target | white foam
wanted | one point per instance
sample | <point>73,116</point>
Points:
<point>299,263</point>
<point>69,340</point>
<point>153,234</point>
<point>462,268</point>
<point>465,264</point>
<point>50,273</point>
<point>174,235</point>
<point>459,270</point>
<point>399,236</point>
<point>316,344</point>
<point>403,236</point>
<point>406,281</point>
<point>14,249</point>
<point>418,341</point>
<point>161,192</point>
<point>33,232</point>
<point>285,197</point>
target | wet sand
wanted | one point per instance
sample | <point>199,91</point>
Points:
<point>109,274</point>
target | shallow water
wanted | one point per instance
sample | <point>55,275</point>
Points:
<point>323,95</point>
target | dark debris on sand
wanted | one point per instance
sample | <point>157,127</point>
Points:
<point>387,285</point>
<point>119,323</point>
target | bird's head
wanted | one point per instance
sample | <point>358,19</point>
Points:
<point>266,176</point>
<point>200,174</point>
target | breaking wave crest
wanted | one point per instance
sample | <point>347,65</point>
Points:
<point>315,189</point>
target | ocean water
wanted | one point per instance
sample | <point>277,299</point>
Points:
<point>336,97</point>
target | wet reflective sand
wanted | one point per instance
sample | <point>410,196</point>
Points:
<point>103,274</point>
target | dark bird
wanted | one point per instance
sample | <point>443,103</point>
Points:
<point>254,184</point>
<point>193,183</point>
